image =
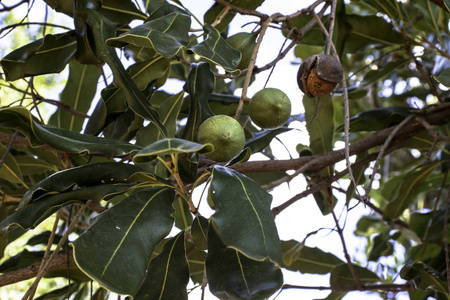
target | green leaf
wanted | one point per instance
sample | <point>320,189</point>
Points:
<point>342,277</point>
<point>48,55</point>
<point>443,78</point>
<point>199,232</point>
<point>113,99</point>
<point>377,75</point>
<point>20,118</point>
<point>121,12</point>
<point>182,214</point>
<point>10,169</point>
<point>216,11</point>
<point>168,273</point>
<point>298,257</point>
<point>78,94</point>
<point>378,118</point>
<point>215,49</point>
<point>262,139</point>
<point>244,42</point>
<point>102,30</point>
<point>243,219</point>
<point>86,176</point>
<point>424,277</point>
<point>170,146</point>
<point>125,242</point>
<point>35,212</point>
<point>370,30</point>
<point>319,115</point>
<point>358,174</point>
<point>169,110</point>
<point>232,275</point>
<point>21,260</point>
<point>407,190</point>
<point>199,84</point>
<point>381,246</point>
<point>167,35</point>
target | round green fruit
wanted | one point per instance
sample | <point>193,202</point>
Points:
<point>225,134</point>
<point>269,108</point>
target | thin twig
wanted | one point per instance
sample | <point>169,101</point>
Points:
<point>251,65</point>
<point>383,149</point>
<point>43,271</point>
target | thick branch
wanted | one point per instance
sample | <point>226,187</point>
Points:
<point>31,271</point>
<point>367,287</point>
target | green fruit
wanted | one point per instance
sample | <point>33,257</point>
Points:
<point>225,134</point>
<point>269,108</point>
<point>244,42</point>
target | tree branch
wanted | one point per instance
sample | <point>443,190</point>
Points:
<point>31,271</point>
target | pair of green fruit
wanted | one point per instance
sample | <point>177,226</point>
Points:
<point>269,108</point>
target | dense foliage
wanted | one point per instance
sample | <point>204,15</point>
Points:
<point>121,180</point>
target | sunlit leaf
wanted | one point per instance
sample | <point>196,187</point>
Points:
<point>170,146</point>
<point>125,242</point>
<point>167,35</point>
<point>298,257</point>
<point>78,94</point>
<point>48,55</point>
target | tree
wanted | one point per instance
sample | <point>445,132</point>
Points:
<point>122,178</point>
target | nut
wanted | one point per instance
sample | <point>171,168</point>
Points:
<point>319,74</point>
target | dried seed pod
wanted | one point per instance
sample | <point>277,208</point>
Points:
<point>319,74</point>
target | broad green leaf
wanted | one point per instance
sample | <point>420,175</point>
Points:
<point>232,275</point>
<point>121,11</point>
<point>243,219</point>
<point>370,224</point>
<point>48,55</point>
<point>370,30</point>
<point>32,214</point>
<point>217,10</point>
<point>78,94</point>
<point>86,176</point>
<point>20,118</point>
<point>169,146</point>
<point>407,190</point>
<point>199,85</point>
<point>378,118</point>
<point>425,252</point>
<point>199,232</point>
<point>21,260</point>
<point>334,295</point>
<point>341,276</point>
<point>182,214</point>
<point>381,246</point>
<point>443,78</point>
<point>319,115</point>
<point>102,30</point>
<point>118,11</point>
<point>244,42</point>
<point>167,35</point>
<point>377,75</point>
<point>125,242</point>
<point>262,139</point>
<point>168,273</point>
<point>298,257</point>
<point>196,262</point>
<point>113,99</point>
<point>10,169</point>
<point>168,110</point>
<point>215,49</point>
<point>424,276</point>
